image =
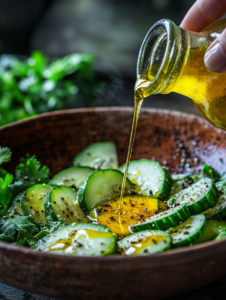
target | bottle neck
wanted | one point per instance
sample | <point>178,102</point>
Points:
<point>162,57</point>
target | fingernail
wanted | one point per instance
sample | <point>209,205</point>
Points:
<point>215,58</point>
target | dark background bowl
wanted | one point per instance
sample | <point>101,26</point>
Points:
<point>178,141</point>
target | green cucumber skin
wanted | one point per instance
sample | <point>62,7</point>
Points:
<point>202,205</point>
<point>208,201</point>
<point>166,222</point>
<point>81,201</point>
<point>82,191</point>
<point>25,210</point>
<point>48,208</point>
<point>17,208</point>
<point>167,182</point>
<point>190,240</point>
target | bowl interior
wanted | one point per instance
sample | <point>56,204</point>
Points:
<point>180,142</point>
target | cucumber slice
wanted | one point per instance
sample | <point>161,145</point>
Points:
<point>145,243</point>
<point>211,230</point>
<point>218,211</point>
<point>101,186</point>
<point>221,235</point>
<point>223,177</point>
<point>102,155</point>
<point>186,233</point>
<point>61,203</point>
<point>74,176</point>
<point>177,177</point>
<point>197,177</point>
<point>199,197</point>
<point>164,220</point>
<point>181,184</point>
<point>80,240</point>
<point>208,171</point>
<point>220,184</point>
<point>33,202</point>
<point>150,176</point>
<point>16,205</point>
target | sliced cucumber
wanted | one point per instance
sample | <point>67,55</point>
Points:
<point>150,176</point>
<point>218,211</point>
<point>74,176</point>
<point>102,155</point>
<point>101,186</point>
<point>186,233</point>
<point>33,202</point>
<point>181,184</point>
<point>61,203</point>
<point>164,220</point>
<point>223,177</point>
<point>220,184</point>
<point>177,177</point>
<point>211,230</point>
<point>16,205</point>
<point>145,243</point>
<point>80,240</point>
<point>197,177</point>
<point>221,235</point>
<point>208,171</point>
<point>199,197</point>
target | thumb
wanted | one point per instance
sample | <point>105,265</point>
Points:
<point>215,57</point>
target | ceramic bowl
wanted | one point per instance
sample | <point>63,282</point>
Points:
<point>178,141</point>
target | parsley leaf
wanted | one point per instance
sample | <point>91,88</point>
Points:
<point>20,230</point>
<point>5,192</point>
<point>50,226</point>
<point>29,173</point>
<point>5,154</point>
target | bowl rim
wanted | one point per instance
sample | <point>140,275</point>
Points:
<point>167,254</point>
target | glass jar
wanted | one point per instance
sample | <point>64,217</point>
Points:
<point>171,59</point>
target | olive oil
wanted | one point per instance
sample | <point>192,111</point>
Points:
<point>134,209</point>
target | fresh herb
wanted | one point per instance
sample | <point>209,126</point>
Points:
<point>36,85</point>
<point>5,192</point>
<point>50,226</point>
<point>210,172</point>
<point>5,154</point>
<point>19,230</point>
<point>29,173</point>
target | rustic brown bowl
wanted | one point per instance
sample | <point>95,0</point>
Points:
<point>56,138</point>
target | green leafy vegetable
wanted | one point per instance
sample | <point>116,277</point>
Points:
<point>210,172</point>
<point>5,154</point>
<point>5,192</point>
<point>36,85</point>
<point>50,226</point>
<point>20,229</point>
<point>29,173</point>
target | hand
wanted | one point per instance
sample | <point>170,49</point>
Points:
<point>200,15</point>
